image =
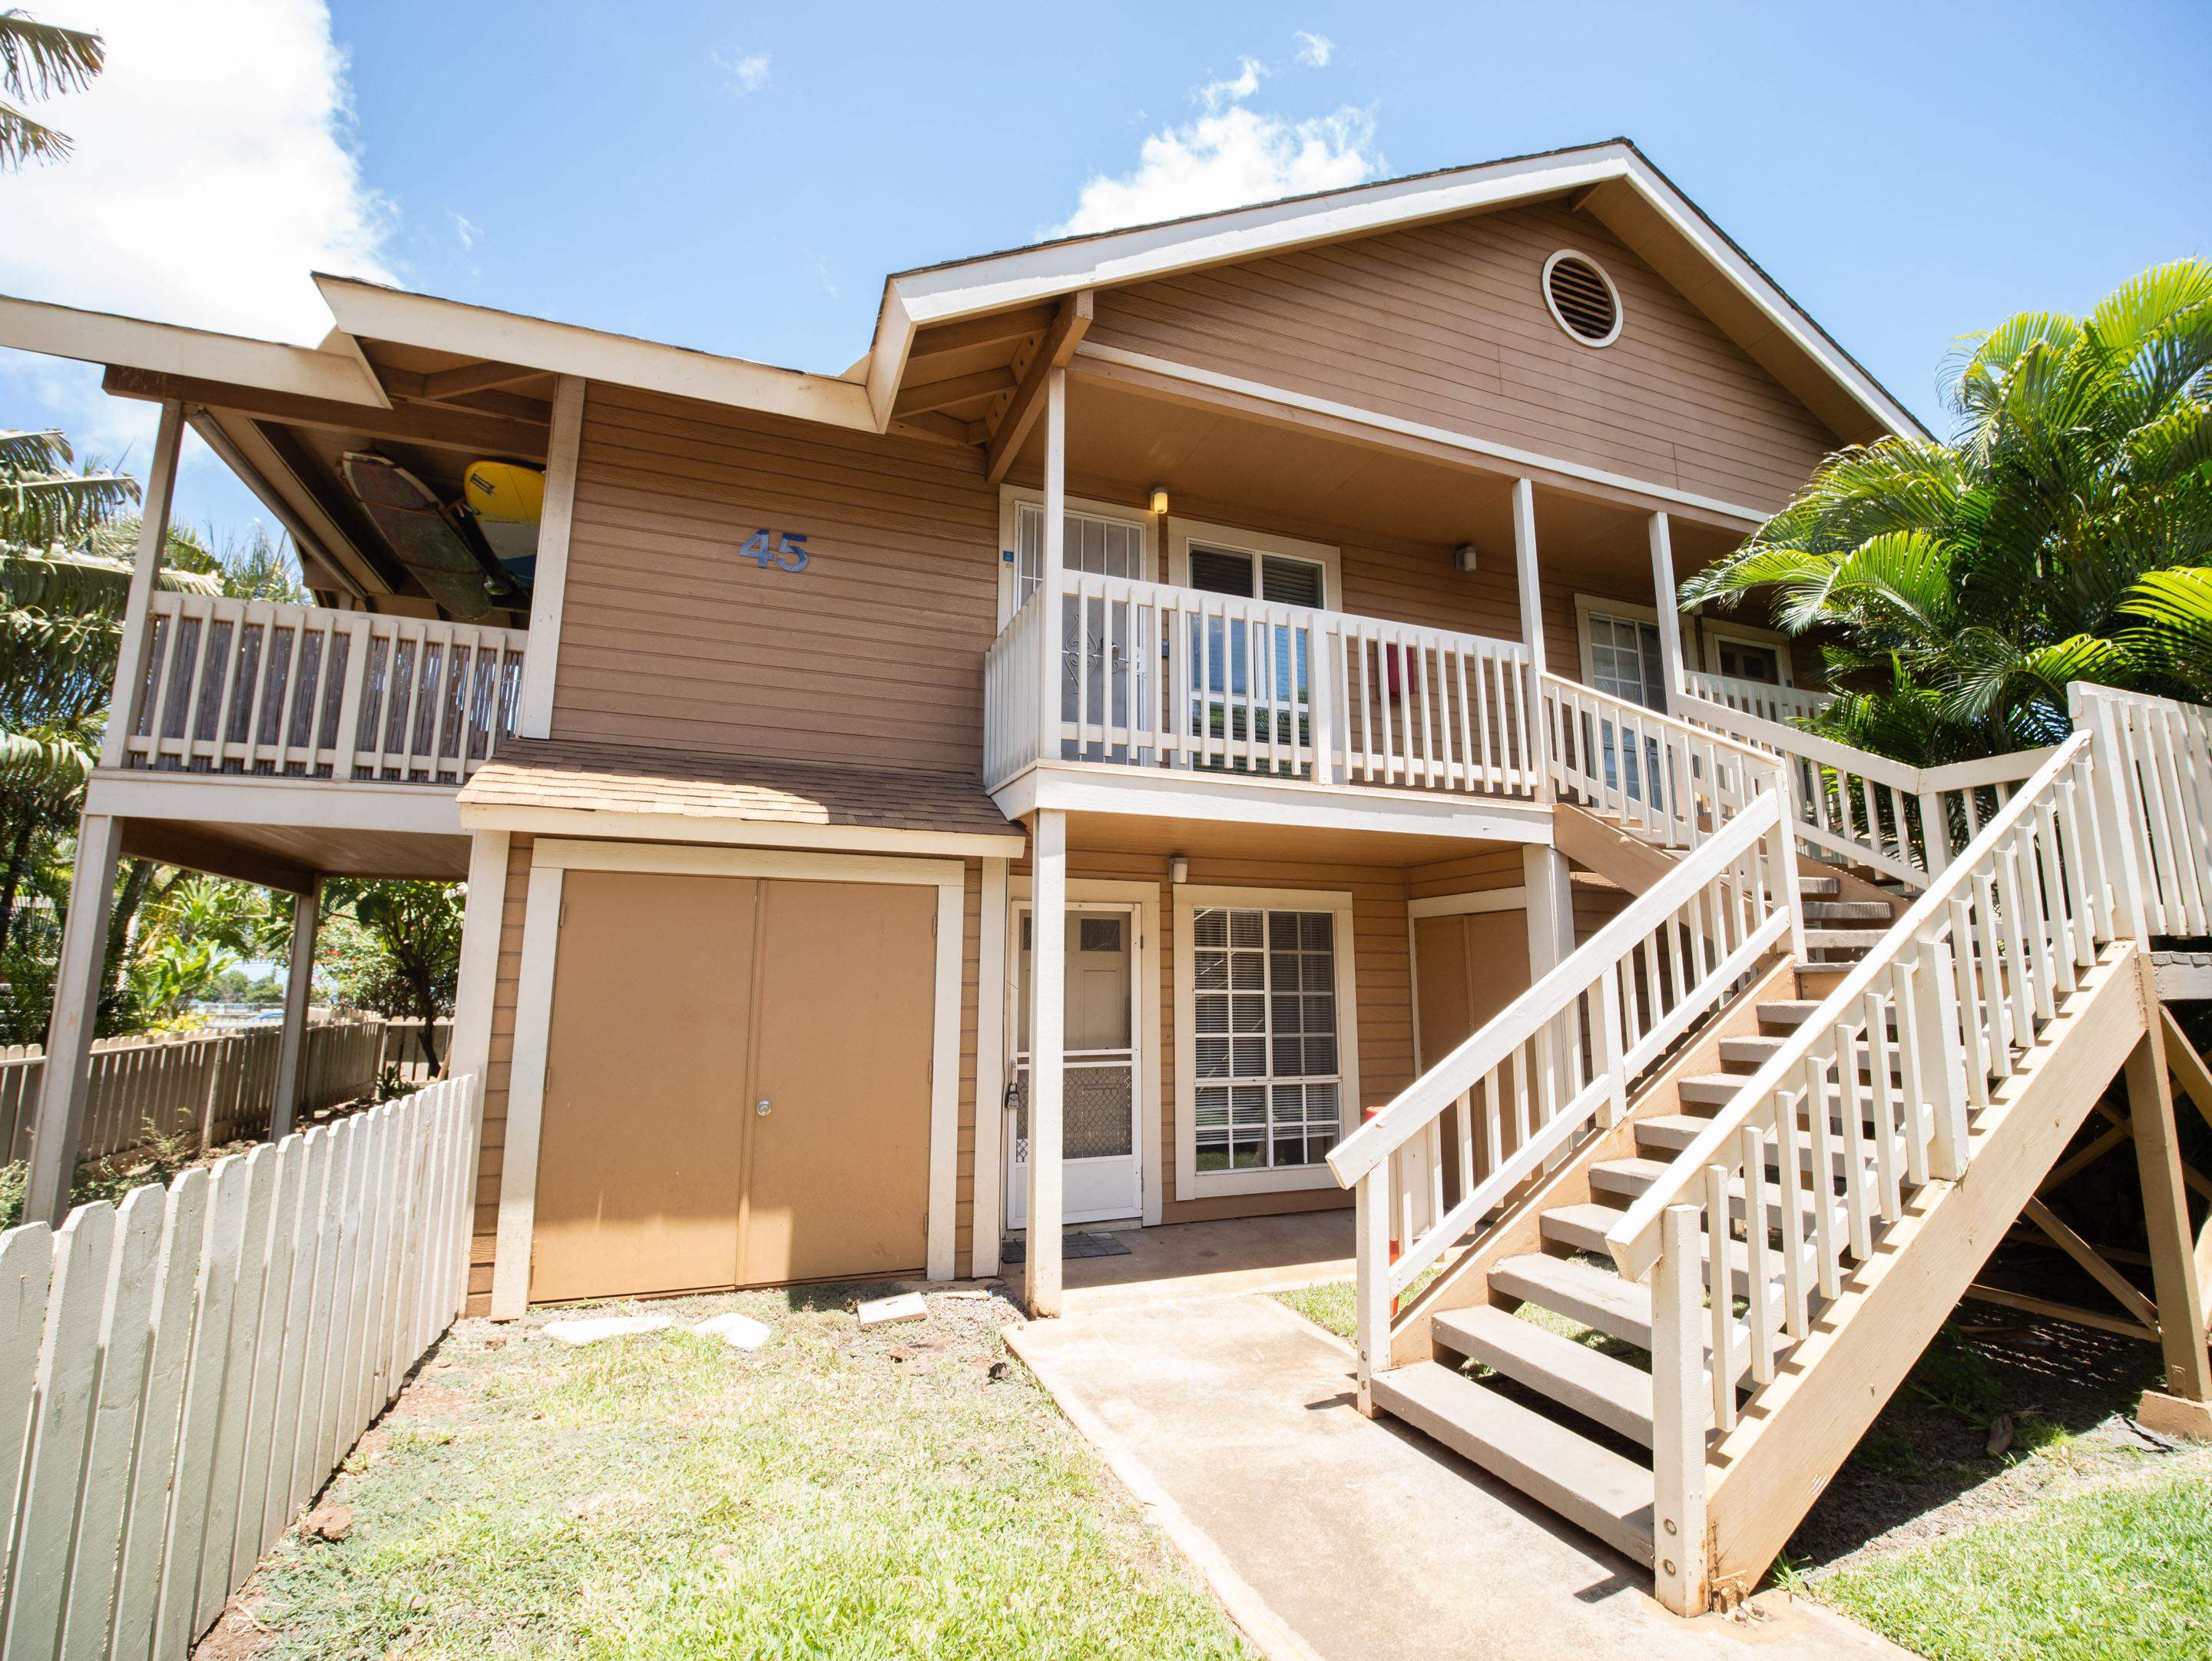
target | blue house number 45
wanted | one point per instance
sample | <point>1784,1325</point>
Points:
<point>782,550</point>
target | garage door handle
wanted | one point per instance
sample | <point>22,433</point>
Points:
<point>761,1107</point>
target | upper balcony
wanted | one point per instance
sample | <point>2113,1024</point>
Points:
<point>1145,679</point>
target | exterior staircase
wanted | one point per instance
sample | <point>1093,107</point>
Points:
<point>1672,1324</point>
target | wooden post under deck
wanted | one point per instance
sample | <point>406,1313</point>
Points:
<point>299,984</point>
<point>1048,1035</point>
<point>2183,1408</point>
<point>1670,616</point>
<point>79,979</point>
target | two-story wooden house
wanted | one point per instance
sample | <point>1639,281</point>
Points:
<point>1068,768</point>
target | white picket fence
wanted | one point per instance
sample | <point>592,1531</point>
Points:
<point>214,1086</point>
<point>181,1373</point>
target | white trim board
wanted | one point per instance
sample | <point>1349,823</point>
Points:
<point>1462,905</point>
<point>1104,891</point>
<point>984,1197</point>
<point>729,831</point>
<point>551,859</point>
<point>1190,1183</point>
<point>234,798</point>
<point>541,651</point>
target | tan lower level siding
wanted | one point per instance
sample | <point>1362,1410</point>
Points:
<point>963,1214</point>
<point>496,1074</point>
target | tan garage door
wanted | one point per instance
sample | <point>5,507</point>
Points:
<point>679,1002</point>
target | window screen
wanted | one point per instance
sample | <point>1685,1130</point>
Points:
<point>1108,547</point>
<point>1268,1075</point>
<point>1625,660</point>
<point>1233,571</point>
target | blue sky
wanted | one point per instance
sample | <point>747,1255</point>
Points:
<point>741,178</point>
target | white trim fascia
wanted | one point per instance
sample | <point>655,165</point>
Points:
<point>1462,905</point>
<point>1514,458</point>
<point>987,1179</point>
<point>233,798</point>
<point>1144,896</point>
<point>541,651</point>
<point>884,365</point>
<point>1190,1183</point>
<point>1078,787</point>
<point>1025,276</point>
<point>525,1094</point>
<point>105,338</point>
<point>377,313</point>
<point>1238,538</point>
<point>1013,496</point>
<point>470,1048</point>
<point>733,832</point>
<point>675,860</point>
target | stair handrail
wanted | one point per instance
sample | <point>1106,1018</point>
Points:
<point>1851,802</point>
<point>2164,748</point>
<point>1634,1241</point>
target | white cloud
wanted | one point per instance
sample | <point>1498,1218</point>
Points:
<point>746,74</point>
<point>213,171</point>
<point>1314,50</point>
<point>466,231</point>
<point>1215,94</point>
<point>1225,159</point>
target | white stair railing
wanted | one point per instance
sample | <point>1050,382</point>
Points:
<point>1905,822</point>
<point>1665,780</point>
<point>304,691</point>
<point>1908,1044</point>
<point>1558,1060</point>
<point>1757,697</point>
<point>2163,750</point>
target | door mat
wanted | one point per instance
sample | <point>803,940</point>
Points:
<point>1071,1246</point>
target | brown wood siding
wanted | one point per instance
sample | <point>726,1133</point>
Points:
<point>963,1210</point>
<point>1446,325</point>
<point>873,654</point>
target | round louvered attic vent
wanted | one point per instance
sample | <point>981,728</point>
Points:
<point>1582,298</point>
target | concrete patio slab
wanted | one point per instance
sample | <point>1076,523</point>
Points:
<point>1333,1536</point>
<point>1206,1260</point>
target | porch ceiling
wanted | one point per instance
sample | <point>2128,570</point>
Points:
<point>1164,837</point>
<point>284,856</point>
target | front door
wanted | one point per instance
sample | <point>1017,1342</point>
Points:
<point>1101,1154</point>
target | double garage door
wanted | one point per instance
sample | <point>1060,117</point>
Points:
<point>738,1084</point>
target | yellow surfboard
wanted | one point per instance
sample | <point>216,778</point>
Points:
<point>507,499</point>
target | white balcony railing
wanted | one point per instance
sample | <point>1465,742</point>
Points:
<point>1158,676</point>
<point>1780,705</point>
<point>255,688</point>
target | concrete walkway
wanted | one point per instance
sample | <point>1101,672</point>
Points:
<point>1208,1260</point>
<point>1330,1536</point>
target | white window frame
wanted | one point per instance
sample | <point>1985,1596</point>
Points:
<point>1190,1183</point>
<point>1710,635</point>
<point>1011,496</point>
<point>1590,606</point>
<point>1237,539</point>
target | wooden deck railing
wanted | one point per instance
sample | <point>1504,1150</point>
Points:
<point>1159,677</point>
<point>1665,780</point>
<point>299,691</point>
<point>1757,697</point>
<point>2156,756</point>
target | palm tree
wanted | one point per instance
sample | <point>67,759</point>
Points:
<point>39,60</point>
<point>2063,533</point>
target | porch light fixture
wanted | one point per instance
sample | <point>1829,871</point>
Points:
<point>1178,870</point>
<point>1159,498</point>
<point>1463,557</point>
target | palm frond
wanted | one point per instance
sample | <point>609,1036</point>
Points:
<point>38,60</point>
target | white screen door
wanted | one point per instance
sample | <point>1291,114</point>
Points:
<point>1102,1159</point>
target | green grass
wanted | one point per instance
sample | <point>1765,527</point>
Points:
<point>2120,1569</point>
<point>833,1494</point>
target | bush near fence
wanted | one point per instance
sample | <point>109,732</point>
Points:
<point>180,1374</point>
<point>215,1087</point>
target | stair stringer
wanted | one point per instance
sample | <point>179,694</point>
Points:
<point>1517,1230</point>
<point>1796,1431</point>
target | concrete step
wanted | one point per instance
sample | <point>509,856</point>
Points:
<point>1589,1484</point>
<point>1601,1389</point>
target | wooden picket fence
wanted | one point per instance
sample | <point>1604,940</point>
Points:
<point>215,1086</point>
<point>180,1374</point>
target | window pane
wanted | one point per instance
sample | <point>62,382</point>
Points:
<point>1265,1013</point>
<point>1290,581</point>
<point>1218,571</point>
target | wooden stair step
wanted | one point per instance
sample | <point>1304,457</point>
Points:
<point>1787,1013</point>
<point>1860,911</point>
<point>1584,1228</point>
<point>1597,1298</point>
<point>1630,1177</point>
<point>1812,887</point>
<point>1711,1089</point>
<point>1843,940</point>
<point>1602,1388</point>
<point>1749,1053</point>
<point>1589,1484</point>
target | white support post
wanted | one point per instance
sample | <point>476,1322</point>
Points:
<point>1532,630</point>
<point>1663,600</point>
<point>298,985</point>
<point>1678,1413</point>
<point>1052,567</point>
<point>1544,880</point>
<point>469,1050</point>
<point>1371,1279</point>
<point>137,626</point>
<point>78,981</point>
<point>1048,1034</point>
<point>541,656</point>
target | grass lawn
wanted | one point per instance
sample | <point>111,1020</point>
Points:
<point>909,1491</point>
<point>2079,1539</point>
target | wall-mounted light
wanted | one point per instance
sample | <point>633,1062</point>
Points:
<point>1178,870</point>
<point>1159,498</point>
<point>1463,557</point>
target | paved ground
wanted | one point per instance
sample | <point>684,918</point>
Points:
<point>1195,1260</point>
<point>1333,1536</point>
